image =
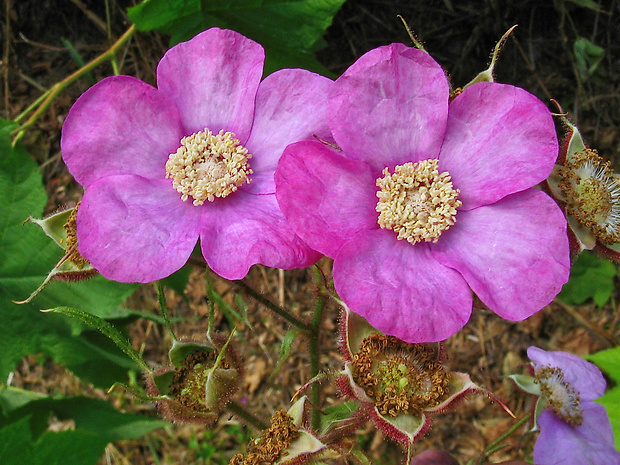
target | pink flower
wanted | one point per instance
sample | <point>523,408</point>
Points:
<point>427,198</point>
<point>192,158</point>
<point>573,428</point>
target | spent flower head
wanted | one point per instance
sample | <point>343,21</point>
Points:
<point>429,197</point>
<point>287,441</point>
<point>193,158</point>
<point>400,385</point>
<point>61,228</point>
<point>589,192</point>
<point>199,382</point>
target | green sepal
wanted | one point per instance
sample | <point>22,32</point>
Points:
<point>53,226</point>
<point>526,383</point>
<point>575,142</point>
<point>488,74</point>
<point>163,381</point>
<point>181,349</point>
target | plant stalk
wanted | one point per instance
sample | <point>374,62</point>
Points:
<point>60,86</point>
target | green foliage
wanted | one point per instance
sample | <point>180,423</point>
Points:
<point>25,438</point>
<point>285,350</point>
<point>27,256</point>
<point>609,362</point>
<point>590,277</point>
<point>588,57</point>
<point>290,30</point>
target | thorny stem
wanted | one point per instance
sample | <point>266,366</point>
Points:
<point>163,306</point>
<point>292,319</point>
<point>491,448</point>
<point>246,416</point>
<point>315,353</point>
<point>60,86</point>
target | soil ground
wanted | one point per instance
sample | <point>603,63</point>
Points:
<point>539,56</point>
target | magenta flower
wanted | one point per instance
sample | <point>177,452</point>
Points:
<point>192,158</point>
<point>573,429</point>
<point>427,198</point>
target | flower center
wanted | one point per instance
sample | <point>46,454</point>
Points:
<point>272,444</point>
<point>416,201</point>
<point>188,384</point>
<point>71,241</point>
<point>400,377</point>
<point>592,194</point>
<point>207,166</point>
<point>561,396</point>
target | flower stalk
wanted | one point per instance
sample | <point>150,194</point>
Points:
<point>46,99</point>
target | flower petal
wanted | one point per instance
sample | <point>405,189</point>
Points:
<point>400,288</point>
<point>591,443</point>
<point>120,126</point>
<point>212,79</point>
<point>243,230</point>
<point>500,140</point>
<point>514,254</point>
<point>325,197</point>
<point>391,107</point>
<point>133,229</point>
<point>583,376</point>
<point>291,106</point>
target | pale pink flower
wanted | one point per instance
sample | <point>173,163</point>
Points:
<point>429,199</point>
<point>192,158</point>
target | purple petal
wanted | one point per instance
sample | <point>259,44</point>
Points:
<point>120,126</point>
<point>213,80</point>
<point>326,198</point>
<point>433,457</point>
<point>391,107</point>
<point>591,443</point>
<point>500,140</point>
<point>514,254</point>
<point>400,288</point>
<point>291,106</point>
<point>243,230</point>
<point>583,376</point>
<point>133,229</point>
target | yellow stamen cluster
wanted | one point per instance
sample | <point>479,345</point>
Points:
<point>400,377</point>
<point>416,201</point>
<point>561,396</point>
<point>71,241</point>
<point>592,194</point>
<point>207,166</point>
<point>272,444</point>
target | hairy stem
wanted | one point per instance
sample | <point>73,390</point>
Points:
<point>292,319</point>
<point>246,416</point>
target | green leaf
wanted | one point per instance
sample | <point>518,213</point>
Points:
<point>590,277</point>
<point>106,329</point>
<point>24,439</point>
<point>586,4</point>
<point>94,415</point>
<point>588,57</point>
<point>285,350</point>
<point>609,361</point>
<point>27,256</point>
<point>290,30</point>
